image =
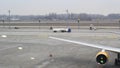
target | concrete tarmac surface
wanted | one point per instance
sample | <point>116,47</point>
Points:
<point>33,49</point>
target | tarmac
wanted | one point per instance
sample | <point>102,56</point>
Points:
<point>33,49</point>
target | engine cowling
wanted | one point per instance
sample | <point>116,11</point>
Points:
<point>102,57</point>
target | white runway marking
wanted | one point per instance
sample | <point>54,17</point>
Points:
<point>45,63</point>
<point>4,36</point>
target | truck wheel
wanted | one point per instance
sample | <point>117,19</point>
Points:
<point>55,31</point>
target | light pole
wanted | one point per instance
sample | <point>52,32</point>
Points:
<point>68,18</point>
<point>3,23</point>
<point>119,24</point>
<point>78,23</point>
<point>9,18</point>
<point>97,23</point>
<point>39,24</point>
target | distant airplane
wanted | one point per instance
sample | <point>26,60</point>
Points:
<point>61,30</point>
<point>102,56</point>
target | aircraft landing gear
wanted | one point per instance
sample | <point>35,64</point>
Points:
<point>117,60</point>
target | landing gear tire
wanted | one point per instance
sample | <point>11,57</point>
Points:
<point>62,31</point>
<point>54,31</point>
<point>116,61</point>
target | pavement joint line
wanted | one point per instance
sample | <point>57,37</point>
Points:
<point>9,48</point>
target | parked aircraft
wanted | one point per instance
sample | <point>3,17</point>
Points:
<point>102,56</point>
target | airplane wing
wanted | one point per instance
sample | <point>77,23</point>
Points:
<point>108,48</point>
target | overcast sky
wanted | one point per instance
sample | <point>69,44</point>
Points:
<point>36,7</point>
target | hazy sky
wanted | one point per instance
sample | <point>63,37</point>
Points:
<point>35,7</point>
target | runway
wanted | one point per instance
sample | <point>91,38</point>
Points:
<point>33,49</point>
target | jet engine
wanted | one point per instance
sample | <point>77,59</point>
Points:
<point>102,57</point>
